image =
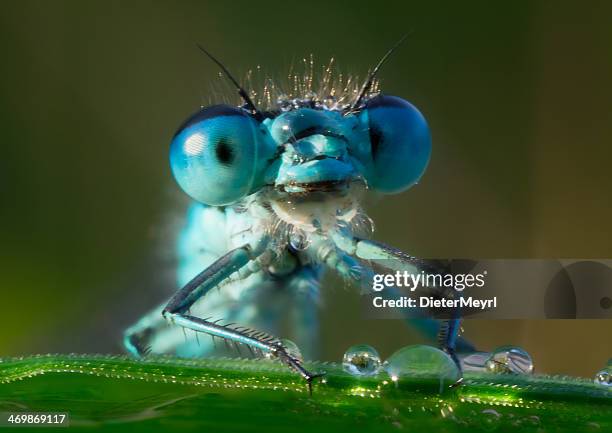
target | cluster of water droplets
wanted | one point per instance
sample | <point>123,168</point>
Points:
<point>419,361</point>
<point>426,362</point>
<point>310,100</point>
<point>422,361</point>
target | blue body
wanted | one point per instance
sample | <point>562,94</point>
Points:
<point>262,300</point>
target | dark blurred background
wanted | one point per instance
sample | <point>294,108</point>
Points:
<point>518,96</point>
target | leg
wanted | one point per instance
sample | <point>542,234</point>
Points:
<point>397,260</point>
<point>304,292</point>
<point>243,301</point>
<point>177,310</point>
<point>153,334</point>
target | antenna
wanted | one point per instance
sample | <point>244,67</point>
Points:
<point>243,94</point>
<point>368,84</point>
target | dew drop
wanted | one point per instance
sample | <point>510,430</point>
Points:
<point>298,239</point>
<point>422,362</point>
<point>490,419</point>
<point>361,360</point>
<point>604,377</point>
<point>363,225</point>
<point>509,359</point>
<point>492,412</point>
<point>292,349</point>
<point>310,96</point>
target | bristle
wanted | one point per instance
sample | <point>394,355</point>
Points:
<point>324,88</point>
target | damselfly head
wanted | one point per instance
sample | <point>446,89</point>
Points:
<point>312,145</point>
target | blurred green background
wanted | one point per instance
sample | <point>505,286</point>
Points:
<point>518,96</point>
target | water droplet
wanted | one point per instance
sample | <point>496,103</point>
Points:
<point>490,419</point>
<point>329,101</point>
<point>604,377</point>
<point>492,412</point>
<point>292,349</point>
<point>361,360</point>
<point>422,362</point>
<point>298,239</point>
<point>363,225</point>
<point>283,102</point>
<point>509,359</point>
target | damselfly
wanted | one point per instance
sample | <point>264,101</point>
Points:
<point>277,203</point>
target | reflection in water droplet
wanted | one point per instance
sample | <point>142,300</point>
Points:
<point>475,361</point>
<point>509,359</point>
<point>298,239</point>
<point>604,377</point>
<point>292,349</point>
<point>361,360</point>
<point>422,362</point>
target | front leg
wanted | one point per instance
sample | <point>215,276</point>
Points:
<point>447,329</point>
<point>240,259</point>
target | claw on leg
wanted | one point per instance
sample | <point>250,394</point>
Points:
<point>310,379</point>
<point>296,365</point>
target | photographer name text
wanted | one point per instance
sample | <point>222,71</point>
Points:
<point>430,302</point>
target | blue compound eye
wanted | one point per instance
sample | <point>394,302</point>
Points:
<point>400,144</point>
<point>218,156</point>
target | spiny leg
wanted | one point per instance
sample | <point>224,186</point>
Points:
<point>177,311</point>
<point>395,259</point>
<point>449,328</point>
<point>153,334</point>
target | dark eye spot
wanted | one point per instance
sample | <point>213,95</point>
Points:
<point>375,139</point>
<point>224,152</point>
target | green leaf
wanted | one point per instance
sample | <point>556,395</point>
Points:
<point>216,395</point>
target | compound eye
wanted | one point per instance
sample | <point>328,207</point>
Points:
<point>400,144</point>
<point>216,153</point>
